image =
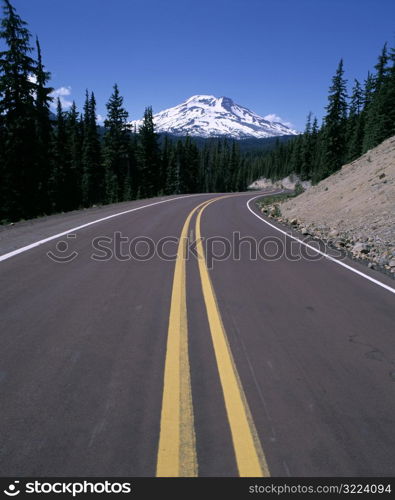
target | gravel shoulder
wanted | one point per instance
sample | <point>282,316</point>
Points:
<point>353,209</point>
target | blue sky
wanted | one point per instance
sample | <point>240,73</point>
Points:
<point>273,56</point>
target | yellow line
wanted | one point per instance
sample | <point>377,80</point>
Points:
<point>251,461</point>
<point>177,447</point>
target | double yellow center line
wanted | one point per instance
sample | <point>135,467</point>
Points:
<point>177,443</point>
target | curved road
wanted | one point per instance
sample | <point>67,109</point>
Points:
<point>185,363</point>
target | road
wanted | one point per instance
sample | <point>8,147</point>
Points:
<point>178,364</point>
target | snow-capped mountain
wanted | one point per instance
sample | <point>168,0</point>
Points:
<point>209,116</point>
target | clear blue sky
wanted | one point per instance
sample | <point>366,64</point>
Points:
<point>273,56</point>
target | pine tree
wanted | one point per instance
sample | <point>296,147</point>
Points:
<point>165,163</point>
<point>384,103</point>
<point>43,131</point>
<point>74,153</point>
<point>134,172</point>
<point>205,169</point>
<point>92,174</point>
<point>375,129</point>
<point>315,147</point>
<point>189,174</point>
<point>357,99</point>
<point>333,140</point>
<point>20,180</point>
<point>369,85</point>
<point>57,180</point>
<point>116,150</point>
<point>294,163</point>
<point>389,97</point>
<point>173,174</point>
<point>233,167</point>
<point>381,69</point>
<point>148,157</point>
<point>355,123</point>
<point>307,147</point>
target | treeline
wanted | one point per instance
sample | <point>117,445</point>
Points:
<point>57,163</point>
<point>352,125</point>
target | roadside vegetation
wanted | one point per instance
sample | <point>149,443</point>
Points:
<point>271,204</point>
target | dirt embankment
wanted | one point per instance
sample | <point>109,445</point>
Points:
<point>352,209</point>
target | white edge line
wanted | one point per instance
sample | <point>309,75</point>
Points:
<point>387,287</point>
<point>74,229</point>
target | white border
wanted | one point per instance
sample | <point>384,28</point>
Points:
<point>74,229</point>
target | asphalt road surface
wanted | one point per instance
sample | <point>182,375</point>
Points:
<point>145,352</point>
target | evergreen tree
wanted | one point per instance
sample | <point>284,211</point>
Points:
<point>165,163</point>
<point>315,147</point>
<point>384,103</point>
<point>381,69</point>
<point>233,167</point>
<point>240,182</point>
<point>20,180</point>
<point>74,130</point>
<point>369,86</point>
<point>357,99</point>
<point>173,174</point>
<point>43,132</point>
<point>205,169</point>
<point>375,130</point>
<point>355,123</point>
<point>190,163</point>
<point>217,167</point>
<point>57,180</point>
<point>116,150</point>
<point>294,163</point>
<point>333,140</point>
<point>92,175</point>
<point>389,97</point>
<point>148,157</point>
<point>307,147</point>
<point>134,172</point>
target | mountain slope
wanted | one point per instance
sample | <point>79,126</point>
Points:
<point>209,116</point>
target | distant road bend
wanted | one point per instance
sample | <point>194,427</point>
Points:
<point>186,363</point>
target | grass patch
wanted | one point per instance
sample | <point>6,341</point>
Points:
<point>275,198</point>
<point>278,198</point>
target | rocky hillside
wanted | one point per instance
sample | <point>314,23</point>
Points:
<point>354,208</point>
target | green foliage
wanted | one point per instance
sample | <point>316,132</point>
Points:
<point>299,189</point>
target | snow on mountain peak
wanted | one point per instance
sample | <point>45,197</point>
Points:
<point>210,116</point>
